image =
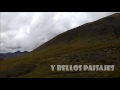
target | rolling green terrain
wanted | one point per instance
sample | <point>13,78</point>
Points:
<point>92,43</point>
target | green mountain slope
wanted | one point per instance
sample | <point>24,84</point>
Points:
<point>92,43</point>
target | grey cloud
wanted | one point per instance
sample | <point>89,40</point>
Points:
<point>18,47</point>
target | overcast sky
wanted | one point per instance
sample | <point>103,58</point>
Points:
<point>28,30</point>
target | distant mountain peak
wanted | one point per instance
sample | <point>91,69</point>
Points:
<point>11,55</point>
<point>18,52</point>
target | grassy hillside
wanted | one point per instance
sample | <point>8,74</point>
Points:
<point>92,43</point>
<point>1,59</point>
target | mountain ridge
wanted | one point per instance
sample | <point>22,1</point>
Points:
<point>12,55</point>
<point>81,29</point>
